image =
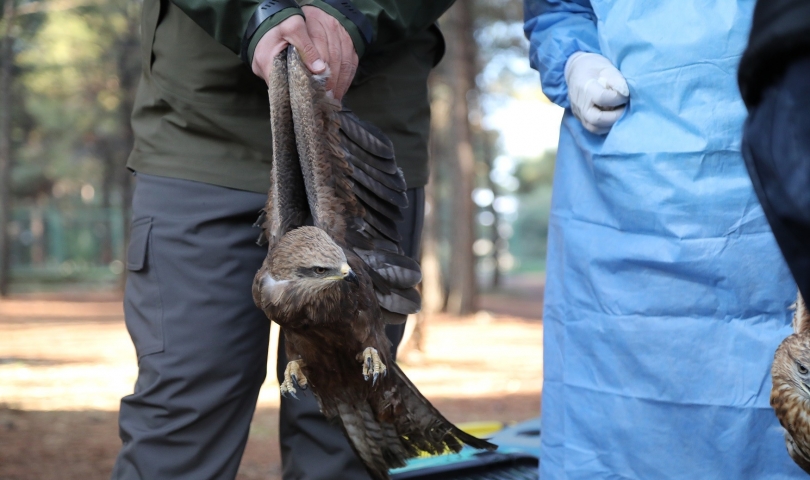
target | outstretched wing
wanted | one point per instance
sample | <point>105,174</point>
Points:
<point>354,189</point>
<point>286,206</point>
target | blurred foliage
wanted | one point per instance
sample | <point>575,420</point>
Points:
<point>535,173</point>
<point>512,194</point>
<point>76,65</point>
<point>71,90</point>
<point>75,70</point>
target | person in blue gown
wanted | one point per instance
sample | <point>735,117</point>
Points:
<point>666,294</point>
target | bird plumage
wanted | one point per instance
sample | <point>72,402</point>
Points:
<point>326,285</point>
<point>790,395</point>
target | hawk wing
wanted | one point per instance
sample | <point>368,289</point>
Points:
<point>353,187</point>
<point>286,206</point>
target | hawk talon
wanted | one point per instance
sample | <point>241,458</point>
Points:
<point>372,365</point>
<point>293,377</point>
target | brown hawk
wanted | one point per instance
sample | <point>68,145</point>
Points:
<point>790,395</point>
<point>327,285</point>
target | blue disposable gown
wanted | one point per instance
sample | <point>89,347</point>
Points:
<point>666,294</point>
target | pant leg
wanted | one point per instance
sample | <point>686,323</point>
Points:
<point>311,447</point>
<point>776,148</point>
<point>201,342</point>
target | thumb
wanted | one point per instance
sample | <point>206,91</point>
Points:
<point>307,50</point>
<point>614,80</point>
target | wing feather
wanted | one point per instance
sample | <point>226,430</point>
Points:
<point>383,164</point>
<point>395,181</point>
<point>368,137</point>
<point>394,197</point>
<point>323,163</point>
<point>286,206</point>
<point>354,189</point>
<point>426,426</point>
<point>378,208</point>
<point>403,301</point>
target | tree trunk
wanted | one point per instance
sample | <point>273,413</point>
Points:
<point>109,169</point>
<point>129,72</point>
<point>460,51</point>
<point>488,141</point>
<point>432,289</point>
<point>6,60</point>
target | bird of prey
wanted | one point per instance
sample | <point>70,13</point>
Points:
<point>328,284</point>
<point>790,395</point>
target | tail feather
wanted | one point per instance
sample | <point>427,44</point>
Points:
<point>372,442</point>
<point>396,453</point>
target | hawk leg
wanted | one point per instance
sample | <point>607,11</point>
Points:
<point>372,365</point>
<point>293,376</point>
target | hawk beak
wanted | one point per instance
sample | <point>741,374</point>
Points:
<point>348,274</point>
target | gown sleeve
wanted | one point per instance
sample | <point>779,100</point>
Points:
<point>556,30</point>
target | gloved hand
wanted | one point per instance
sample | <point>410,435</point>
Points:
<point>597,91</point>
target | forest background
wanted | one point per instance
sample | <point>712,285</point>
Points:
<point>69,70</point>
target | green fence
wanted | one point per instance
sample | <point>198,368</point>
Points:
<point>74,245</point>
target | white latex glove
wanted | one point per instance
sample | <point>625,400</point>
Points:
<point>597,91</point>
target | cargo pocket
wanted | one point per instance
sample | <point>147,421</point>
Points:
<point>143,307</point>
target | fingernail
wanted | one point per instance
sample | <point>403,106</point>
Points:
<point>318,64</point>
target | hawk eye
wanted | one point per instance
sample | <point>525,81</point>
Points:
<point>802,369</point>
<point>319,270</point>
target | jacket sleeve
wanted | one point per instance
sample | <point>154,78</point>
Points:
<point>556,30</point>
<point>228,21</point>
<point>373,24</point>
<point>780,34</point>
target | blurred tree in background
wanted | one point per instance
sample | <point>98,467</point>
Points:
<point>488,212</point>
<point>68,75</point>
<point>74,69</point>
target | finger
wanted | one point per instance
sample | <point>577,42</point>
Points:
<point>348,67</point>
<point>334,56</point>
<point>601,118</point>
<point>604,97</point>
<point>300,39</point>
<point>614,80</point>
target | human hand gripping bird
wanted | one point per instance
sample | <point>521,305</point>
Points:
<point>327,285</point>
<point>790,395</point>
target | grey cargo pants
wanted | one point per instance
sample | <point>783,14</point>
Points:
<point>202,344</point>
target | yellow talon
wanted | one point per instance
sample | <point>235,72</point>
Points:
<point>372,365</point>
<point>293,376</point>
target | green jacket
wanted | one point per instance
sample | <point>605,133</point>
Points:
<point>201,114</point>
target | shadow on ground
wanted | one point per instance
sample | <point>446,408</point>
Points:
<point>81,445</point>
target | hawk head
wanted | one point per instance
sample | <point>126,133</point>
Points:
<point>791,362</point>
<point>791,367</point>
<point>790,395</point>
<point>306,262</point>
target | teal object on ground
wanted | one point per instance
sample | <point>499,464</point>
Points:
<point>515,459</point>
<point>666,294</point>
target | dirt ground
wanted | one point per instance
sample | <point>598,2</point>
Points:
<point>65,364</point>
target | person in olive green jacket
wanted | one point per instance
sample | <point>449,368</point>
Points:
<point>202,158</point>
